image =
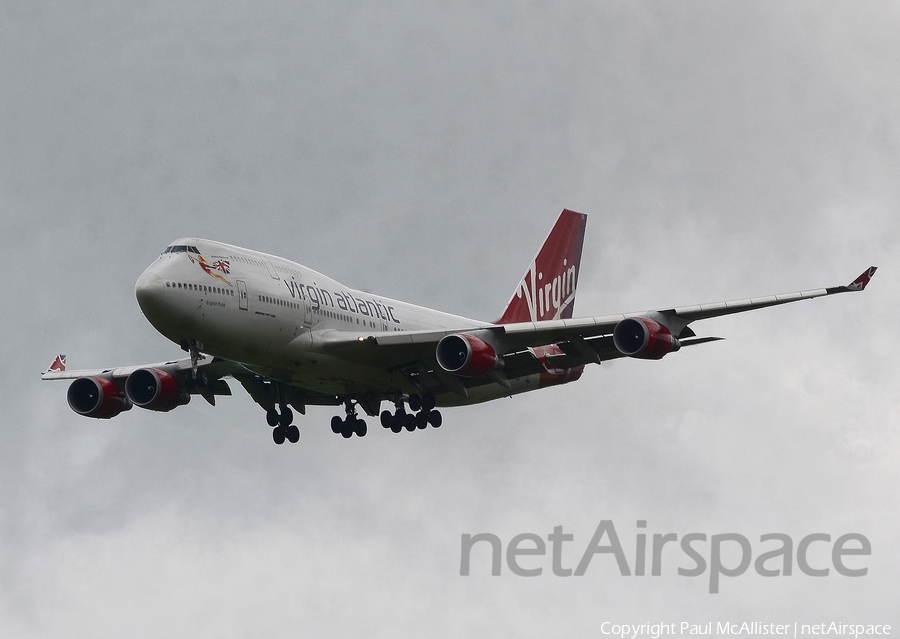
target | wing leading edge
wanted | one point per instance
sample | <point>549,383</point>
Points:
<point>675,319</point>
<point>579,341</point>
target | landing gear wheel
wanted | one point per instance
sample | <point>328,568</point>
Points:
<point>410,423</point>
<point>272,417</point>
<point>278,435</point>
<point>347,427</point>
<point>415,402</point>
<point>287,416</point>
<point>387,420</point>
<point>435,419</point>
<point>336,424</point>
<point>421,420</point>
<point>293,434</point>
<point>396,427</point>
<point>360,428</point>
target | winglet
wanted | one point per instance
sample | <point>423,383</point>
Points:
<point>58,365</point>
<point>860,282</point>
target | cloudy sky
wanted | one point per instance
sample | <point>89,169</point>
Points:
<point>720,150</point>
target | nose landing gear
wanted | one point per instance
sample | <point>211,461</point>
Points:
<point>282,428</point>
<point>281,423</point>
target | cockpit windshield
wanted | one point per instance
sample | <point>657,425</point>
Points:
<point>181,248</point>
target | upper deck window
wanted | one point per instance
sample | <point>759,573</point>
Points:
<point>181,248</point>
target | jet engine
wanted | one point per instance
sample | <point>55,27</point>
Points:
<point>98,397</point>
<point>155,389</point>
<point>644,338</point>
<point>467,355</point>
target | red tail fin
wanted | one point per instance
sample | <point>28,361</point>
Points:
<point>547,290</point>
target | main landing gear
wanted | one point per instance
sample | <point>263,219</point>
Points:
<point>282,428</point>
<point>423,413</point>
<point>350,425</point>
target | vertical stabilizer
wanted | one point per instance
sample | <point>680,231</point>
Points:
<point>547,290</point>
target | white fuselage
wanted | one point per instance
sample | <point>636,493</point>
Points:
<point>271,314</point>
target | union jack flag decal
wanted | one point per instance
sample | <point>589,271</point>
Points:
<point>222,265</point>
<point>58,365</point>
<point>860,282</point>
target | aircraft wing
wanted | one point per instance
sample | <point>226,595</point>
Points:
<point>579,340</point>
<point>676,319</point>
<point>210,370</point>
<point>211,364</point>
<point>213,367</point>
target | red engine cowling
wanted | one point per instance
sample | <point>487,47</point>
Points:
<point>155,389</point>
<point>467,355</point>
<point>644,338</point>
<point>98,397</point>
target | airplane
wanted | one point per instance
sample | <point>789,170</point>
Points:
<point>293,337</point>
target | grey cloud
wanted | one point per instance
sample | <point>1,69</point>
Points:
<point>720,151</point>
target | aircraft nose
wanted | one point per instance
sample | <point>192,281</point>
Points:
<point>149,291</point>
<point>158,306</point>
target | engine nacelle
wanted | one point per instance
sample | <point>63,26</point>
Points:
<point>98,397</point>
<point>644,338</point>
<point>467,355</point>
<point>155,389</point>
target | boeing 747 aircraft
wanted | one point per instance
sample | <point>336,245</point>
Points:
<point>294,338</point>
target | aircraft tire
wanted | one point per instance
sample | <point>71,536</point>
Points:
<point>336,425</point>
<point>347,427</point>
<point>410,422</point>
<point>396,427</point>
<point>287,416</point>
<point>278,435</point>
<point>272,417</point>
<point>293,434</point>
<point>360,428</point>
<point>415,402</point>
<point>421,420</point>
<point>435,418</point>
<point>387,420</point>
